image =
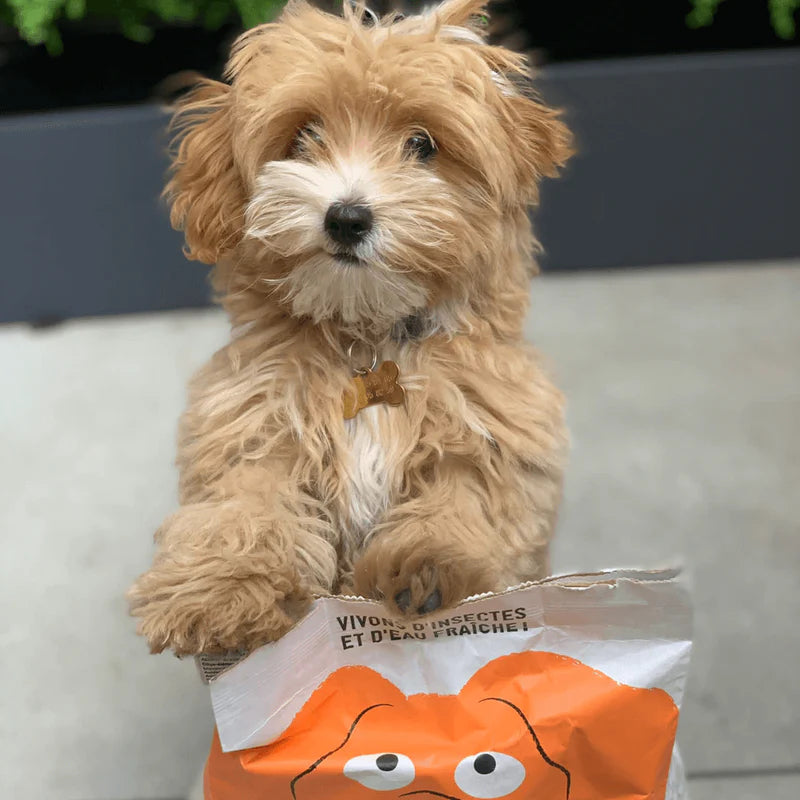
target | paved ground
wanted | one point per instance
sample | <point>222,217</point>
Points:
<point>684,389</point>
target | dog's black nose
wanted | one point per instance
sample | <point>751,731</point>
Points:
<point>348,223</point>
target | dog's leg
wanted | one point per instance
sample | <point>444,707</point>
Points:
<point>237,571</point>
<point>468,533</point>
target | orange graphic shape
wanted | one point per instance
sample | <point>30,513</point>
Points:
<point>528,725</point>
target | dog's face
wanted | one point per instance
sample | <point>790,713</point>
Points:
<point>362,172</point>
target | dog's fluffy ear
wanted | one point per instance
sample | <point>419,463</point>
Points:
<point>205,189</point>
<point>542,142</point>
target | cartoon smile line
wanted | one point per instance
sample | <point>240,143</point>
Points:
<point>431,792</point>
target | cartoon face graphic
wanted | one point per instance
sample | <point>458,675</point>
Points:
<point>530,725</point>
<point>427,745</point>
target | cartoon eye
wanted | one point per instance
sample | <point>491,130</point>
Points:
<point>488,775</point>
<point>421,146</point>
<point>381,771</point>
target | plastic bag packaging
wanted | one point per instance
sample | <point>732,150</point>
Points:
<point>569,688</point>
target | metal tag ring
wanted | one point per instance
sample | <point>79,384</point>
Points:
<point>360,370</point>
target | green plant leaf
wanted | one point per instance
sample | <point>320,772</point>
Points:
<point>216,14</point>
<point>781,14</point>
<point>702,13</point>
<point>75,9</point>
<point>137,31</point>
<point>132,24</point>
<point>53,42</point>
<point>34,19</point>
<point>254,12</point>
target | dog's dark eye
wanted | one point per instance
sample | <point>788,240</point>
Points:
<point>421,146</point>
<point>310,135</point>
<point>369,18</point>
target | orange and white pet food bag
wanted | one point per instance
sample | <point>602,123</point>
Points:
<point>567,689</point>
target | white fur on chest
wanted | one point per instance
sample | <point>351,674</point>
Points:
<point>369,472</point>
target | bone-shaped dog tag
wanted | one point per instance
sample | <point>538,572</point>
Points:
<point>374,386</point>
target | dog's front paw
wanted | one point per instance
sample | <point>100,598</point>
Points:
<point>214,613</point>
<point>422,567</point>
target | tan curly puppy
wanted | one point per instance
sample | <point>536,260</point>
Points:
<point>363,187</point>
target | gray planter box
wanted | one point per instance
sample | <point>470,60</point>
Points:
<point>682,159</point>
<point>82,226</point>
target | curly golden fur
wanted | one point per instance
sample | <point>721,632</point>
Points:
<point>456,492</point>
